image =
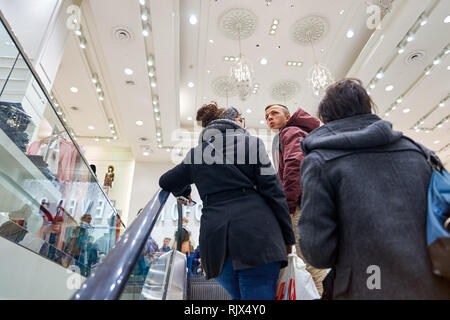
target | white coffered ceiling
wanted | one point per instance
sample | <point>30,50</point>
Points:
<point>186,52</point>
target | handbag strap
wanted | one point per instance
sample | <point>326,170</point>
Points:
<point>432,159</point>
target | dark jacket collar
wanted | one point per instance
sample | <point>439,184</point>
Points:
<point>357,132</point>
<point>224,126</point>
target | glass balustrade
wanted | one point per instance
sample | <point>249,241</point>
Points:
<point>50,200</point>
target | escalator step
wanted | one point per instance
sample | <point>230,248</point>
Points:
<point>202,289</point>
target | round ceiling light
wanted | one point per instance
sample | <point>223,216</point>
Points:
<point>350,33</point>
<point>389,88</point>
<point>139,123</point>
<point>128,71</point>
<point>193,19</point>
<point>91,127</point>
<point>190,84</point>
<point>74,89</point>
<point>263,61</point>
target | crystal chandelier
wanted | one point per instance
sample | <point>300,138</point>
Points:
<point>319,76</point>
<point>242,74</point>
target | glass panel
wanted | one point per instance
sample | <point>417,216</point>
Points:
<point>148,280</point>
<point>46,187</point>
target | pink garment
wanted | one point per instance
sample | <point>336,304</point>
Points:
<point>33,148</point>
<point>67,159</point>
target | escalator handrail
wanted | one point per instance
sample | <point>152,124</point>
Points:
<point>110,278</point>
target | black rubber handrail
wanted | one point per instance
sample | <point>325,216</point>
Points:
<point>110,278</point>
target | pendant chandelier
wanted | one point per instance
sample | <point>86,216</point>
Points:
<point>242,73</point>
<point>319,77</point>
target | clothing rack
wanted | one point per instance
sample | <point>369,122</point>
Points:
<point>14,109</point>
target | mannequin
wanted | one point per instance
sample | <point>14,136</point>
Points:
<point>109,177</point>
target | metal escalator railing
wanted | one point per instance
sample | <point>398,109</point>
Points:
<point>111,276</point>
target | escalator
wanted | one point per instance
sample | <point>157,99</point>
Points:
<point>132,271</point>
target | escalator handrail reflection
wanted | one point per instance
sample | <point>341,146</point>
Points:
<point>111,276</point>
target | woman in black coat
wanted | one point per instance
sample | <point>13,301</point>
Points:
<point>364,204</point>
<point>245,229</point>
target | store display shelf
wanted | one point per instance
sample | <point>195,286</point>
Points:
<point>16,164</point>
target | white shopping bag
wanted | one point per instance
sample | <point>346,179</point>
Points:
<point>295,282</point>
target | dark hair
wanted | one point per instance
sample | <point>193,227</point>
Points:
<point>343,99</point>
<point>208,112</point>
<point>286,110</point>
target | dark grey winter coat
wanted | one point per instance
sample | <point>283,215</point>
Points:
<point>250,227</point>
<point>364,204</point>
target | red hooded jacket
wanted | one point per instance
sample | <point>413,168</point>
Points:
<point>290,155</point>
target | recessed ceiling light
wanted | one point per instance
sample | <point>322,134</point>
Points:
<point>128,71</point>
<point>208,71</point>
<point>142,2</point>
<point>189,118</point>
<point>399,100</point>
<point>379,75</point>
<point>410,38</point>
<point>447,19</point>
<point>389,88</point>
<point>428,72</point>
<point>439,126</point>
<point>211,41</point>
<point>190,84</point>
<point>436,61</point>
<point>97,139</point>
<point>145,153</point>
<point>424,22</point>
<point>193,19</point>
<point>436,142</point>
<point>406,110</point>
<point>342,11</point>
<point>263,61</point>
<point>91,127</point>
<point>275,21</point>
<point>350,33</point>
<point>262,122</point>
<point>153,84</point>
<point>249,110</point>
<point>387,114</point>
<point>442,104</point>
<point>372,86</point>
<point>115,137</point>
<point>108,140</point>
<point>401,50</point>
<point>74,90</point>
<point>139,123</point>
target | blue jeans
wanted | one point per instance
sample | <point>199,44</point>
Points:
<point>250,284</point>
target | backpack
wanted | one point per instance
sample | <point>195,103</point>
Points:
<point>438,215</point>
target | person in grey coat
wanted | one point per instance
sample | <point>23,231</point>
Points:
<point>245,230</point>
<point>364,202</point>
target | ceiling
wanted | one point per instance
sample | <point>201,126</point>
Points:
<point>185,52</point>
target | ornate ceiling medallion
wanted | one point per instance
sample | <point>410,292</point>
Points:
<point>285,90</point>
<point>309,30</point>
<point>236,21</point>
<point>224,87</point>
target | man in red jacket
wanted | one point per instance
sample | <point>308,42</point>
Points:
<point>287,156</point>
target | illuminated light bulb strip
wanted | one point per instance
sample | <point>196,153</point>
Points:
<point>427,70</point>
<point>230,58</point>
<point>294,63</point>
<point>145,14</point>
<point>95,81</point>
<point>408,37</point>
<point>274,27</point>
<point>444,102</point>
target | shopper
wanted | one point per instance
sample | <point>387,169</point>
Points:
<point>165,248</point>
<point>245,229</point>
<point>364,202</point>
<point>287,156</point>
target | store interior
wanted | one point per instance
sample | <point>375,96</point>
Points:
<point>116,84</point>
